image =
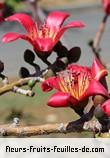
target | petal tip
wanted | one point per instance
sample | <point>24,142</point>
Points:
<point>98,70</point>
<point>4,40</point>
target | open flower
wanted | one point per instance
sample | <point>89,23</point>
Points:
<point>106,6</point>
<point>75,84</point>
<point>44,38</point>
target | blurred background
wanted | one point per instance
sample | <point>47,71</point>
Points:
<point>34,110</point>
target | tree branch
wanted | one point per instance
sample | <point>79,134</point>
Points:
<point>26,131</point>
<point>14,86</point>
<point>10,130</point>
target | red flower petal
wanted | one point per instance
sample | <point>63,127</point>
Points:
<point>9,37</point>
<point>26,21</point>
<point>76,24</point>
<point>56,19</point>
<point>59,99</point>
<point>98,70</point>
<point>106,5</point>
<point>95,88</point>
<point>106,107</point>
<point>49,84</point>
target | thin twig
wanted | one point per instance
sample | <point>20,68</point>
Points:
<point>19,83</point>
<point>98,37</point>
<point>95,44</point>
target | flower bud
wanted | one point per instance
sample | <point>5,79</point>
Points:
<point>29,56</point>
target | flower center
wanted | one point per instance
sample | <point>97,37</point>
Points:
<point>74,83</point>
<point>47,32</point>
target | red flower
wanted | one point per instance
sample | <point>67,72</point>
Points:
<point>75,84</point>
<point>106,6</point>
<point>45,38</point>
<point>106,107</point>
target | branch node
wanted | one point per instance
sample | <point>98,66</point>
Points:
<point>2,132</point>
<point>40,79</point>
<point>62,128</point>
<point>23,91</point>
<point>5,81</point>
<point>92,125</point>
<point>16,122</point>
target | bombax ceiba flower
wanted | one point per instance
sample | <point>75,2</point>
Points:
<point>76,84</point>
<point>43,39</point>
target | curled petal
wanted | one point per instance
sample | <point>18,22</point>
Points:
<point>76,24</point>
<point>49,84</point>
<point>95,88</point>
<point>9,37</point>
<point>106,107</point>
<point>56,19</point>
<point>98,70</point>
<point>59,99</point>
<point>26,21</point>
